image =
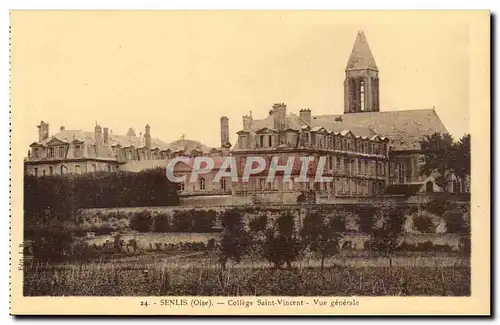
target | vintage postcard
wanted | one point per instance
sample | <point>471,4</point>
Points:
<point>250,163</point>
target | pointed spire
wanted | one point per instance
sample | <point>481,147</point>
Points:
<point>361,55</point>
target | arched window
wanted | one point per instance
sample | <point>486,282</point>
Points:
<point>429,188</point>
<point>201,181</point>
<point>362,95</point>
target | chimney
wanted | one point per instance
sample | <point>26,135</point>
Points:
<point>106,135</point>
<point>279,113</point>
<point>98,140</point>
<point>43,131</point>
<point>224,131</point>
<point>63,128</point>
<point>305,114</point>
<point>147,136</point>
<point>247,121</point>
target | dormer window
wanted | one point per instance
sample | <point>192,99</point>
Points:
<point>51,152</point>
<point>78,151</point>
<point>62,152</point>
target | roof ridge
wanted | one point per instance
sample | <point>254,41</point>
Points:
<point>380,112</point>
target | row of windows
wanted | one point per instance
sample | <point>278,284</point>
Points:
<point>57,152</point>
<point>356,166</point>
<point>64,170</point>
<point>202,184</point>
<point>345,144</point>
<point>132,154</point>
<point>340,186</point>
<point>321,141</point>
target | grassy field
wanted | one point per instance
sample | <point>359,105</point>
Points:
<point>197,274</point>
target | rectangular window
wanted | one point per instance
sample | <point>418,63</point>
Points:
<point>94,167</point>
<point>270,139</point>
<point>35,153</point>
<point>359,166</point>
<point>51,170</point>
<point>109,168</point>
<point>62,152</point>
<point>402,172</point>
<point>78,151</point>
<point>44,172</point>
<point>51,152</point>
<point>338,163</point>
<point>35,171</point>
<point>330,162</point>
<point>77,169</point>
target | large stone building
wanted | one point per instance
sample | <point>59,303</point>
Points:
<point>367,150</point>
<point>78,152</point>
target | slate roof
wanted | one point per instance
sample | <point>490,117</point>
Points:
<point>294,122</point>
<point>361,56</point>
<point>114,139</point>
<point>140,165</point>
<point>405,129</point>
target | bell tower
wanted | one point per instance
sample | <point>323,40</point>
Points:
<point>361,84</point>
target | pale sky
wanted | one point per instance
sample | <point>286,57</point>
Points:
<point>181,71</point>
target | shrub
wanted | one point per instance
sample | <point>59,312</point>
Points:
<point>203,220</point>
<point>423,223</point>
<point>161,223</point>
<point>141,221</point>
<point>183,221</point>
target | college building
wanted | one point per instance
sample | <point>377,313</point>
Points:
<point>368,150</point>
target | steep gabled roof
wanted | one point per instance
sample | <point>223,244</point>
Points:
<point>361,56</point>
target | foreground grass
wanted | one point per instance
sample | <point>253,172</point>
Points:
<point>136,279</point>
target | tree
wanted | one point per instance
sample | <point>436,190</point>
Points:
<point>387,226</point>
<point>257,234</point>
<point>438,150</point>
<point>233,241</point>
<point>443,154</point>
<point>462,156</point>
<point>322,233</point>
<point>281,244</point>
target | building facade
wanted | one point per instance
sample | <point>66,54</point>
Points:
<point>367,150</point>
<point>78,152</point>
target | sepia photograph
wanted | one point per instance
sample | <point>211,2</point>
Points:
<point>264,159</point>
